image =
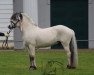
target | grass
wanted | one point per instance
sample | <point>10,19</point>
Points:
<point>17,62</point>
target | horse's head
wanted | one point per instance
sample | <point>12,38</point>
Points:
<point>15,20</point>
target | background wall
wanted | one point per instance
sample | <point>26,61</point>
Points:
<point>31,8</point>
<point>91,23</point>
<point>44,13</point>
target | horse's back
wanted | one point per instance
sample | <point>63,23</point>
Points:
<point>63,29</point>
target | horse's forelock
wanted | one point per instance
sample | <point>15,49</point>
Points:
<point>13,17</point>
<point>16,15</point>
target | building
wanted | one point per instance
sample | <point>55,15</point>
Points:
<point>76,14</point>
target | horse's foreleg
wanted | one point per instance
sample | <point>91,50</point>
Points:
<point>32,57</point>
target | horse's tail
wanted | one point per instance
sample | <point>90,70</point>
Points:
<point>74,52</point>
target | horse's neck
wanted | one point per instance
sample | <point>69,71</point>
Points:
<point>27,18</point>
<point>27,25</point>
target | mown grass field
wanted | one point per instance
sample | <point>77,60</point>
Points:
<point>17,62</point>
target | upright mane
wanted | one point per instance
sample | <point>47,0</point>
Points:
<point>29,18</point>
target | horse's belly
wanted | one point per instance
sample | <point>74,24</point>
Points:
<point>45,40</point>
<point>45,44</point>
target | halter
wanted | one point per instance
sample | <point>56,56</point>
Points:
<point>13,24</point>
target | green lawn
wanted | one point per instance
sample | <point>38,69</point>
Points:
<point>17,63</point>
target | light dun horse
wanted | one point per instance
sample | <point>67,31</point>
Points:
<point>35,37</point>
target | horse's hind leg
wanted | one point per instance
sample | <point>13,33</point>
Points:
<point>66,48</point>
<point>31,50</point>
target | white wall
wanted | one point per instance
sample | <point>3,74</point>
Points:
<point>91,23</point>
<point>6,10</point>
<point>31,8</point>
<point>44,13</point>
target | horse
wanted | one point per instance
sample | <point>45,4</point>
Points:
<point>36,37</point>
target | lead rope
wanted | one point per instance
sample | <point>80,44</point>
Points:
<point>5,42</point>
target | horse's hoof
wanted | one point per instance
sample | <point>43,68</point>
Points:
<point>70,67</point>
<point>33,67</point>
